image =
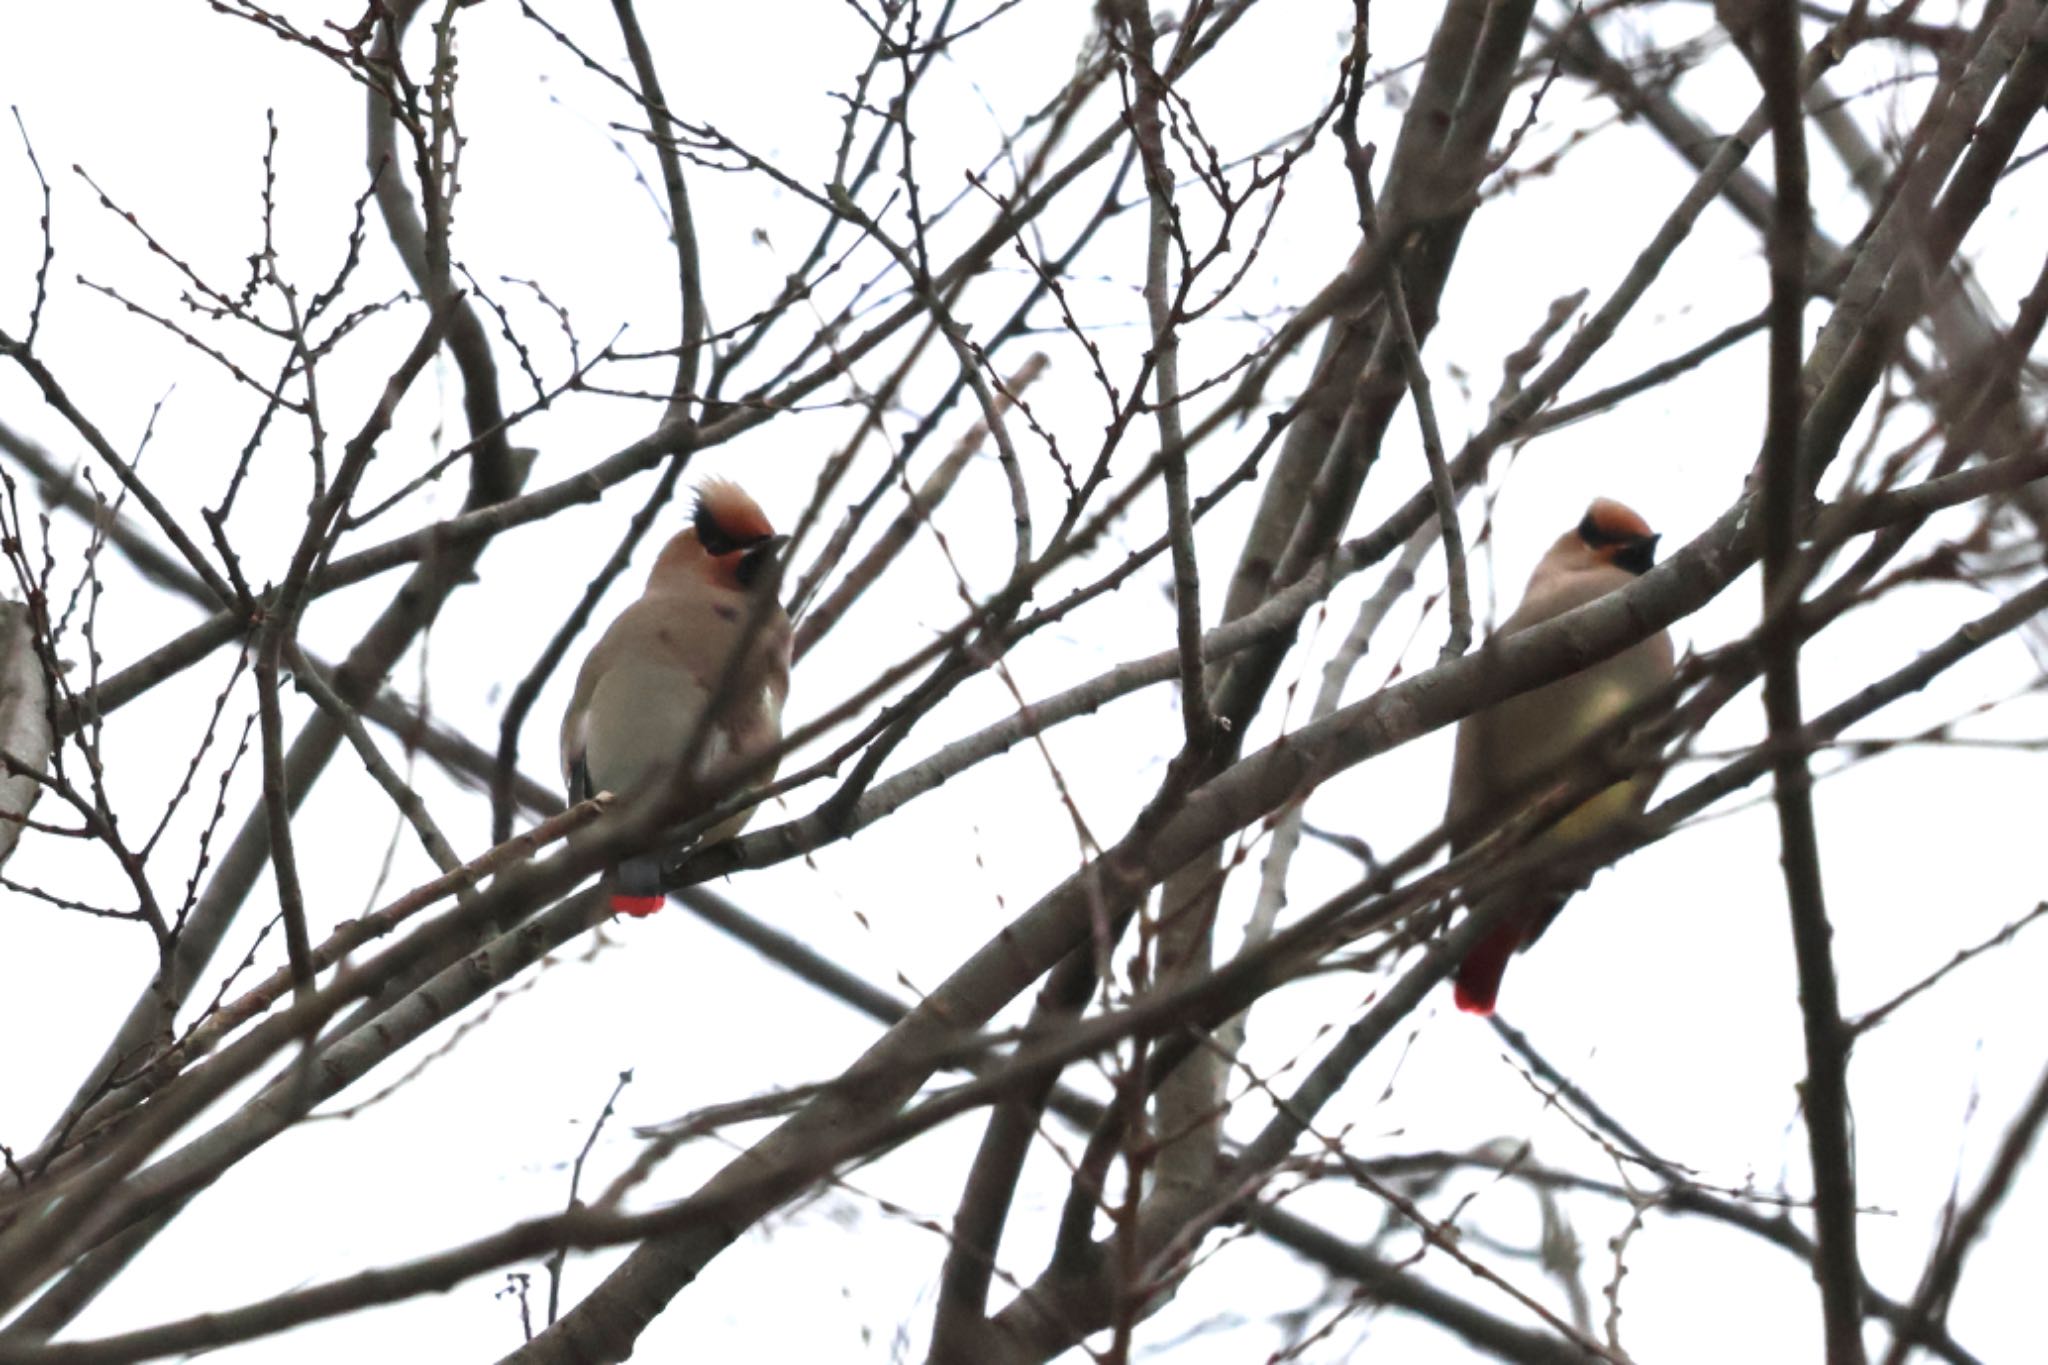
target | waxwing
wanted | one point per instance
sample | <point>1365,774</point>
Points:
<point>1507,747</point>
<point>645,688</point>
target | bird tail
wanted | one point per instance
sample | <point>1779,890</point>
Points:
<point>636,884</point>
<point>1478,984</point>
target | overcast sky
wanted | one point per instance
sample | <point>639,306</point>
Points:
<point>1668,990</point>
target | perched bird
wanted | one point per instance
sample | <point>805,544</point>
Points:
<point>645,689</point>
<point>1511,744</point>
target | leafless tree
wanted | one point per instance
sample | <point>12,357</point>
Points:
<point>1039,395</point>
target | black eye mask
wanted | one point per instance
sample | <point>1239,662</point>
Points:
<point>1637,553</point>
<point>1596,535</point>
<point>713,537</point>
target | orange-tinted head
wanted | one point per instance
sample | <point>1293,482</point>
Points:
<point>726,519</point>
<point>1614,534</point>
<point>729,540</point>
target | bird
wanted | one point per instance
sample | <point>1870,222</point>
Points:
<point>1504,748</point>
<point>647,684</point>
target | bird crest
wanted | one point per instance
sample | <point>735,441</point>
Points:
<point>726,519</point>
<point>1606,522</point>
<point>1617,536</point>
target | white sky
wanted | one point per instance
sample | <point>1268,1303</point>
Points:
<point>1668,991</point>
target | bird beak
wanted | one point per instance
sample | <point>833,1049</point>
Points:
<point>759,557</point>
<point>1639,555</point>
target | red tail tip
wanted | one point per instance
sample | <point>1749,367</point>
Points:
<point>1469,1002</point>
<point>1479,975</point>
<point>638,907</point>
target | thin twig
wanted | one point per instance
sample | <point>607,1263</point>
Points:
<point>556,1262</point>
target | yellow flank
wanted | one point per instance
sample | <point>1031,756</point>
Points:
<point>1613,697</point>
<point>1596,814</point>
